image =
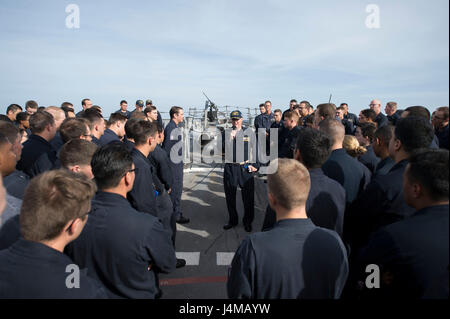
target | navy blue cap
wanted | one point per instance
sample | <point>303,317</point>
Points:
<point>236,115</point>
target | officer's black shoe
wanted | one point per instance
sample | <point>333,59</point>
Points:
<point>248,228</point>
<point>228,226</point>
<point>180,263</point>
<point>182,220</point>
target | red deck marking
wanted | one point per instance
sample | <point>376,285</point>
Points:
<point>192,280</point>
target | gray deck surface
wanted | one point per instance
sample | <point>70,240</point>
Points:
<point>203,201</point>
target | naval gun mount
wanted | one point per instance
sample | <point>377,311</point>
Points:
<point>205,124</point>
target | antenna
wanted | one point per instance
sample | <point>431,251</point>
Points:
<point>329,101</point>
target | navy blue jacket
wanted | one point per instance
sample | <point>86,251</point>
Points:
<point>10,232</point>
<point>295,259</point>
<point>160,161</point>
<point>108,137</point>
<point>37,157</point>
<point>381,120</point>
<point>347,171</point>
<point>381,204</point>
<point>288,142</point>
<point>383,167</point>
<point>326,202</point>
<point>393,118</point>
<point>264,121</point>
<point>31,270</point>
<point>142,197</point>
<point>369,159</point>
<point>415,253</point>
<point>325,205</point>
<point>57,142</point>
<point>349,127</point>
<point>118,244</point>
<point>352,118</point>
<point>170,142</point>
<point>443,137</point>
<point>15,183</point>
<point>96,141</point>
<point>126,113</point>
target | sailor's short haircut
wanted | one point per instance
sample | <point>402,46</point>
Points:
<point>40,120</point>
<point>384,134</point>
<point>290,184</point>
<point>368,130</point>
<point>333,128</point>
<point>278,111</point>
<point>110,163</point>
<point>31,105</point>
<point>116,117</point>
<point>149,108</point>
<point>314,147</point>
<point>174,110</point>
<point>369,114</point>
<point>93,116</point>
<point>51,200</point>
<point>14,108</point>
<point>129,127</point>
<point>429,168</point>
<point>326,110</point>
<point>418,111</point>
<point>292,115</point>
<point>10,131</point>
<point>414,133</point>
<point>83,102</point>
<point>443,109</point>
<point>143,130</point>
<point>123,101</point>
<point>77,152</point>
<point>73,128</point>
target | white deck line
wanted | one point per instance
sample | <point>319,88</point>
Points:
<point>224,259</point>
<point>192,258</point>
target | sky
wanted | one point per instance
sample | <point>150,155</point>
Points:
<point>239,52</point>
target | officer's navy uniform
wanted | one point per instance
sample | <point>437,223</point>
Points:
<point>143,195</point>
<point>37,157</point>
<point>160,162</point>
<point>236,174</point>
<point>296,259</point>
<point>381,204</point>
<point>443,137</point>
<point>31,270</point>
<point>15,183</point>
<point>383,167</point>
<point>393,119</point>
<point>288,144</point>
<point>325,205</point>
<point>177,169</point>
<point>117,246</point>
<point>126,113</point>
<point>414,251</point>
<point>10,232</point>
<point>381,120</point>
<point>57,142</point>
<point>349,127</point>
<point>352,118</point>
<point>347,171</point>
<point>108,137</point>
<point>369,159</point>
<point>159,119</point>
<point>96,141</point>
<point>79,114</point>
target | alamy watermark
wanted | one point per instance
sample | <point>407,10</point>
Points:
<point>73,19</point>
<point>373,19</point>
<point>73,279</point>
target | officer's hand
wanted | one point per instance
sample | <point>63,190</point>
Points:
<point>169,191</point>
<point>251,169</point>
<point>149,267</point>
